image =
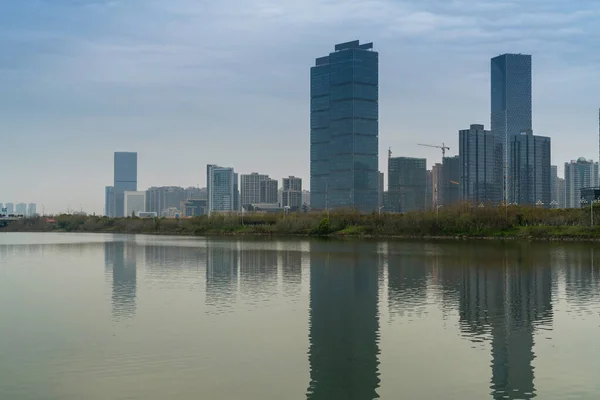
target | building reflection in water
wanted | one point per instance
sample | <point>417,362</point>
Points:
<point>291,271</point>
<point>120,259</point>
<point>506,292</point>
<point>344,321</point>
<point>258,272</point>
<point>221,275</point>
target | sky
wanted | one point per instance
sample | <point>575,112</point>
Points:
<point>186,83</point>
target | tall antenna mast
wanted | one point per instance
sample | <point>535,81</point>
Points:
<point>390,149</point>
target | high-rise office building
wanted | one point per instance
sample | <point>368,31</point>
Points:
<point>344,148</point>
<point>530,168</point>
<point>195,193</point>
<point>236,192</point>
<point>125,179</point>
<point>511,107</point>
<point>220,189</point>
<point>10,208</point>
<point>450,183</point>
<point>429,190</point>
<point>159,199</point>
<point>250,187</point>
<point>134,203</point>
<point>109,201</point>
<point>579,174</point>
<point>21,209</point>
<point>407,178</point>
<point>269,191</point>
<point>480,166</point>
<point>380,189</point>
<point>291,194</point>
<point>554,186</point>
<point>31,210</point>
<point>436,190</point>
<point>1,209</point>
<point>562,199</point>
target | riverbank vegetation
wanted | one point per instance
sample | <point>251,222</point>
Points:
<point>458,221</point>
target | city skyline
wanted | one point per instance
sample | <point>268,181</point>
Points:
<point>440,50</point>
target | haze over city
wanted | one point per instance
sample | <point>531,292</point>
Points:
<point>187,83</point>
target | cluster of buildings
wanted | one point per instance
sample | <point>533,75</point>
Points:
<point>505,164</point>
<point>23,209</point>
<point>225,191</point>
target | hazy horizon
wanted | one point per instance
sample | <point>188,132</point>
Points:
<point>186,83</point>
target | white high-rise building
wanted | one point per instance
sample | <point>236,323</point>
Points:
<point>134,203</point>
<point>31,210</point>
<point>579,174</point>
<point>220,186</point>
<point>250,187</point>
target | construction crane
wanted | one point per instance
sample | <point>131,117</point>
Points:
<point>443,147</point>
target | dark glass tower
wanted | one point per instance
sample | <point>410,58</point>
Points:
<point>344,110</point>
<point>511,106</point>
<point>125,180</point>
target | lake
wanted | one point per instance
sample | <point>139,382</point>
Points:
<point>148,317</point>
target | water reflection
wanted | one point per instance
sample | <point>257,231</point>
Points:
<point>120,260</point>
<point>344,322</point>
<point>221,276</point>
<point>507,292</point>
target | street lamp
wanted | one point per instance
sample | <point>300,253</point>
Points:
<point>554,204</point>
<point>539,203</point>
<point>380,207</point>
<point>481,205</point>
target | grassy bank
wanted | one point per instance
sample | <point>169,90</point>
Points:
<point>459,221</point>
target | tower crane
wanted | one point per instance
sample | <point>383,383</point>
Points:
<point>443,147</point>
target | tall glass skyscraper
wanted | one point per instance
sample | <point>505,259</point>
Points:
<point>511,106</point>
<point>125,180</point>
<point>344,131</point>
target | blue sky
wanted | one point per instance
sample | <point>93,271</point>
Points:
<point>185,83</point>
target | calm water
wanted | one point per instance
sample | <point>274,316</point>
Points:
<point>135,317</point>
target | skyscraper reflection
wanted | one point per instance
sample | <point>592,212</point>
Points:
<point>506,293</point>
<point>258,271</point>
<point>121,259</point>
<point>344,322</point>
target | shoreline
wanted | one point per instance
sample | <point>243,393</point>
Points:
<point>333,235</point>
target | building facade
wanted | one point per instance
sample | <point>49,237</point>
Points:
<point>10,208</point>
<point>220,189</point>
<point>344,112</point>
<point>135,203</point>
<point>31,210</point>
<point>109,201</point>
<point>579,174</point>
<point>21,209</point>
<point>511,107</point>
<point>554,186</point>
<point>450,183</point>
<point>158,199</point>
<point>407,178</point>
<point>269,193</point>
<point>562,192</point>
<point>480,162</point>
<point>125,179</point>
<point>530,168</point>
<point>291,194</point>
<point>250,187</point>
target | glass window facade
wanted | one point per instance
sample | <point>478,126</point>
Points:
<point>510,106</point>
<point>407,179</point>
<point>125,180</point>
<point>344,128</point>
<point>578,175</point>
<point>531,169</point>
<point>480,161</point>
<point>220,188</point>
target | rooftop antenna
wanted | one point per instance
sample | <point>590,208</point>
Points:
<point>389,153</point>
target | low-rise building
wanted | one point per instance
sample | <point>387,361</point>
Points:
<point>134,203</point>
